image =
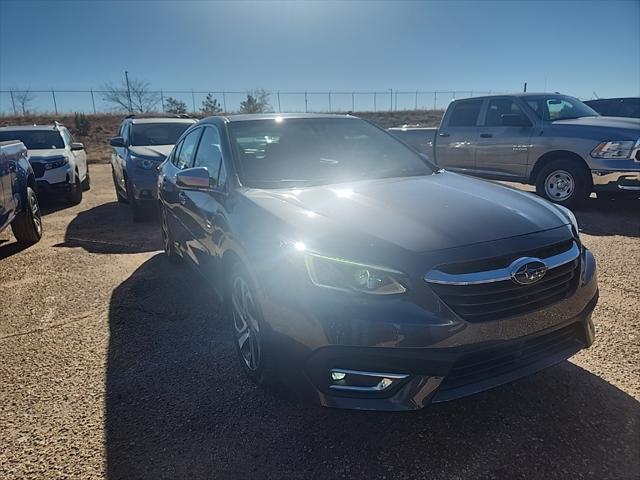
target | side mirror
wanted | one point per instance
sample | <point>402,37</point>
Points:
<point>117,142</point>
<point>196,178</point>
<point>76,146</point>
<point>514,120</point>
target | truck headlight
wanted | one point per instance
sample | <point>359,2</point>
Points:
<point>347,276</point>
<point>144,163</point>
<point>613,149</point>
<point>57,162</point>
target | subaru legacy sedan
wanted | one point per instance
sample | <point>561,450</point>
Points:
<point>360,275</point>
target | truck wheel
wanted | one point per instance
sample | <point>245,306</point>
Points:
<point>27,226</point>
<point>86,183</point>
<point>74,197</point>
<point>119,196</point>
<point>564,182</point>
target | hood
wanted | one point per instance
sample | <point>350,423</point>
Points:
<point>605,122</point>
<point>46,153</point>
<point>418,214</point>
<point>154,152</point>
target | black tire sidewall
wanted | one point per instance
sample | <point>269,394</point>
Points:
<point>74,197</point>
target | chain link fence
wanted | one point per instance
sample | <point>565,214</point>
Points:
<point>59,101</point>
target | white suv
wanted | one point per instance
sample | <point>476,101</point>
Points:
<point>59,163</point>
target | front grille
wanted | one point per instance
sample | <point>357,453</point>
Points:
<point>38,169</point>
<point>482,367</point>
<point>493,300</point>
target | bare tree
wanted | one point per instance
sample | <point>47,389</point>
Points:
<point>24,99</point>
<point>257,101</point>
<point>137,98</point>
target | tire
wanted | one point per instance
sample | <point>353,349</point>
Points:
<point>86,183</point>
<point>119,196</point>
<point>27,226</point>
<point>253,351</point>
<point>137,212</point>
<point>564,182</point>
<point>167,239</point>
<point>74,197</point>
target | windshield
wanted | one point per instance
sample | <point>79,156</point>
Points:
<point>34,139</point>
<point>143,134</point>
<point>559,107</point>
<point>278,153</point>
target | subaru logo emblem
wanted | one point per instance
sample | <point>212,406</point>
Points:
<point>526,271</point>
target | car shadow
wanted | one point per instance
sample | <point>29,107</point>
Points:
<point>109,228</point>
<point>11,247</point>
<point>602,217</point>
<point>179,406</point>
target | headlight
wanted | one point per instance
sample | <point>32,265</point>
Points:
<point>621,149</point>
<point>55,163</point>
<point>144,163</point>
<point>349,276</point>
<point>570,216</point>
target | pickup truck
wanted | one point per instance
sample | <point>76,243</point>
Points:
<point>18,201</point>
<point>555,142</point>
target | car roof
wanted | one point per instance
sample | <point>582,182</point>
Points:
<point>161,120</point>
<point>268,116</point>
<point>30,127</point>
<point>518,94</point>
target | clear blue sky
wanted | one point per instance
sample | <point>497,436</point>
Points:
<point>576,47</point>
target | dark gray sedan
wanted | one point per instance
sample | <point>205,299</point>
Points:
<point>362,276</point>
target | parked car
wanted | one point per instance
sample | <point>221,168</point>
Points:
<point>616,107</point>
<point>363,276</point>
<point>18,200</point>
<point>59,163</point>
<point>552,141</point>
<point>141,145</point>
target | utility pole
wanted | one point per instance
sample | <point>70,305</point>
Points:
<point>525,86</point>
<point>193,100</point>
<point>93,102</point>
<point>279,109</point>
<point>55,105</point>
<point>126,76</point>
<point>13,102</point>
<point>224,101</point>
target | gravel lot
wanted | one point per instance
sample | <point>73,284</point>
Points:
<point>116,364</point>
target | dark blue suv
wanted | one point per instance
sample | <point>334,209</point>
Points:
<point>18,201</point>
<point>141,145</point>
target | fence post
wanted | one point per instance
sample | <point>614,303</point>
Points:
<point>391,99</point>
<point>279,109</point>
<point>306,108</point>
<point>224,101</point>
<point>162,100</point>
<point>353,102</point>
<point>435,99</point>
<point>396,100</point>
<point>55,105</point>
<point>93,102</point>
<point>13,102</point>
<point>193,100</point>
<point>375,101</point>
<point>329,101</point>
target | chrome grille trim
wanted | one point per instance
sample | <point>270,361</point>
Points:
<point>500,274</point>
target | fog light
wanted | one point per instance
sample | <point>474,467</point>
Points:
<point>337,376</point>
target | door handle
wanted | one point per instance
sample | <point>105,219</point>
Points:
<point>182,198</point>
<point>486,135</point>
<point>443,134</point>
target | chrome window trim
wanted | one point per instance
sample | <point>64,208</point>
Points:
<point>499,274</point>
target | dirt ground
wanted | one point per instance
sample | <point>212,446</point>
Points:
<point>115,364</point>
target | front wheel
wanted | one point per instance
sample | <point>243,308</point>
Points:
<point>564,182</point>
<point>167,238</point>
<point>86,183</point>
<point>74,197</point>
<point>27,226</point>
<point>249,333</point>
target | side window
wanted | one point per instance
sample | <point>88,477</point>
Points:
<point>499,107</point>
<point>465,114</point>
<point>183,158</point>
<point>209,154</point>
<point>124,133</point>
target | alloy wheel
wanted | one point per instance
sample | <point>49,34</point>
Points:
<point>245,322</point>
<point>35,213</point>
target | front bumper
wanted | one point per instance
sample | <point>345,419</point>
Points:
<point>435,356</point>
<point>144,185</point>
<point>50,189</point>
<point>608,180</point>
